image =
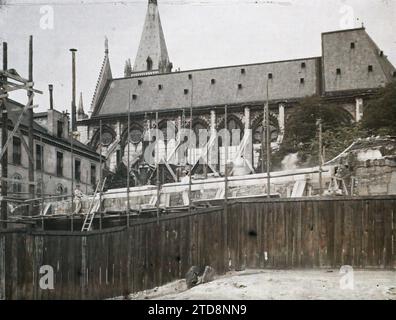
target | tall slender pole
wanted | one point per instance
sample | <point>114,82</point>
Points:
<point>73,106</point>
<point>226,157</point>
<point>42,173</point>
<point>30,130</point>
<point>263,137</point>
<point>72,178</point>
<point>191,149</point>
<point>128,161</point>
<point>157,166</point>
<point>320,158</point>
<point>100,175</point>
<point>4,137</point>
<point>42,180</point>
<point>268,147</point>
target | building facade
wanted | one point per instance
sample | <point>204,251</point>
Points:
<point>349,71</point>
<point>59,161</point>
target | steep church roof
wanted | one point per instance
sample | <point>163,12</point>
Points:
<point>152,53</point>
<point>212,87</point>
<point>288,80</point>
<point>104,76</point>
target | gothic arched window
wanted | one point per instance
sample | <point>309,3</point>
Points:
<point>233,125</point>
<point>107,138</point>
<point>135,135</point>
<point>149,64</point>
<point>196,128</point>
<point>258,134</point>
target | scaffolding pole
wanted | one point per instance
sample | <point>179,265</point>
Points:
<point>30,130</point>
<point>4,136</point>
<point>268,145</point>
<point>128,161</point>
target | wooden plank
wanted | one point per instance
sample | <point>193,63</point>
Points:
<point>2,267</point>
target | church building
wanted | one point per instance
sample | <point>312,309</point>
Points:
<point>349,71</point>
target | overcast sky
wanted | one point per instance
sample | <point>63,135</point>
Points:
<point>198,33</point>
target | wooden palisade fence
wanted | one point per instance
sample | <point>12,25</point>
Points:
<point>285,233</point>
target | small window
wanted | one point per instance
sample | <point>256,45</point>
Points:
<point>302,65</point>
<point>394,74</point>
<point>269,75</point>
<point>370,68</point>
<point>16,186</point>
<point>39,157</point>
<point>93,174</point>
<point>59,129</point>
<point>240,86</point>
<point>352,45</point>
<point>134,97</point>
<point>338,71</point>
<point>243,71</point>
<point>77,170</point>
<point>185,91</point>
<point>190,76</point>
<point>160,87</point>
<point>213,81</point>
<point>140,82</point>
<point>16,151</point>
<point>59,164</point>
<point>381,54</point>
<point>302,80</point>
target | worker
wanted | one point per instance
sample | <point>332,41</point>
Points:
<point>78,195</point>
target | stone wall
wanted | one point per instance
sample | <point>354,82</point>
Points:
<point>376,177</point>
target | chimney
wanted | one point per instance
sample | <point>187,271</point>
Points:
<point>73,106</point>
<point>51,88</point>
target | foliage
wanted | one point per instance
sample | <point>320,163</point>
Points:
<point>379,116</point>
<point>302,129</point>
<point>119,179</point>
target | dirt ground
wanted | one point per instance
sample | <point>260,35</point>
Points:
<point>283,284</point>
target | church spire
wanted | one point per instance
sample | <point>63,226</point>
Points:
<point>127,68</point>
<point>152,53</point>
<point>105,76</point>
<point>80,112</point>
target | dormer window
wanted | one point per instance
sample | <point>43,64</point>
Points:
<point>213,81</point>
<point>302,65</point>
<point>352,45</point>
<point>149,64</point>
<point>370,68</point>
<point>338,71</point>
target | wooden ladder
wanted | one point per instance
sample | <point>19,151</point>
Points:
<point>93,208</point>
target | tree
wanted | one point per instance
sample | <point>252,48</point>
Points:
<point>379,116</point>
<point>301,127</point>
